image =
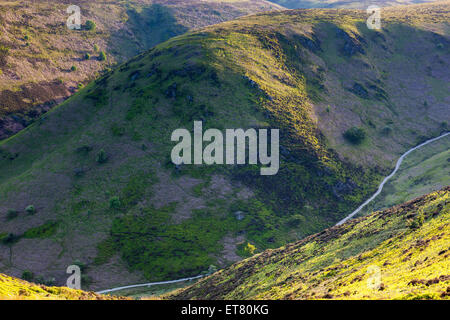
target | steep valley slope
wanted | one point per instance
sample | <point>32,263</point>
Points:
<point>92,180</point>
<point>425,170</point>
<point>399,253</point>
<point>43,62</point>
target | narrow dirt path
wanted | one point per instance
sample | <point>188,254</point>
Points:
<point>148,284</point>
<point>380,188</point>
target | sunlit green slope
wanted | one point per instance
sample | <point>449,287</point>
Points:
<point>399,253</point>
<point>15,289</point>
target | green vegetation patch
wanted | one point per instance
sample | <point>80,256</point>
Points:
<point>43,231</point>
<point>399,253</point>
<point>355,135</point>
<point>105,251</point>
<point>151,243</point>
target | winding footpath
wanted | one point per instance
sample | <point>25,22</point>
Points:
<point>380,188</point>
<point>148,284</point>
<point>350,216</point>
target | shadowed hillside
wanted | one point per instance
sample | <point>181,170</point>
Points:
<point>92,179</point>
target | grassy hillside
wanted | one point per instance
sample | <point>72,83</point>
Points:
<point>15,289</point>
<point>348,4</point>
<point>42,61</point>
<point>422,172</point>
<point>92,179</point>
<point>399,253</point>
